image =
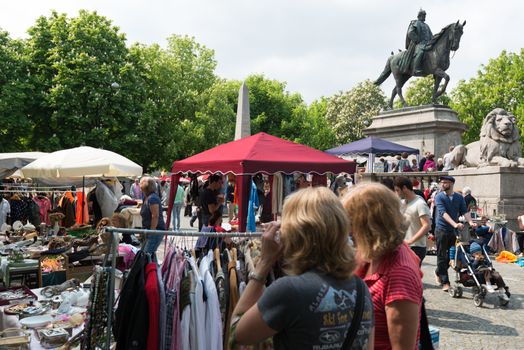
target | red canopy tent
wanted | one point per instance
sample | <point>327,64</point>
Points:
<point>260,153</point>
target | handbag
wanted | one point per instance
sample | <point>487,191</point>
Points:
<point>359,310</point>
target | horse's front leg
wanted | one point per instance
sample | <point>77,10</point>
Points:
<point>438,76</point>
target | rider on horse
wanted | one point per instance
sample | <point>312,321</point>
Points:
<point>417,39</point>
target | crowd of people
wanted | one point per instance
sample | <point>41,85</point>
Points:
<point>401,163</point>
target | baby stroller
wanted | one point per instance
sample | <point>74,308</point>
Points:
<point>466,277</point>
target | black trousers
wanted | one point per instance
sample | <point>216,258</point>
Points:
<point>420,252</point>
<point>445,240</point>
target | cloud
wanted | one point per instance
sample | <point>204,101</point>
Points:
<point>317,47</point>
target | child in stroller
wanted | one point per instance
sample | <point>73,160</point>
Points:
<point>485,271</point>
<point>476,271</point>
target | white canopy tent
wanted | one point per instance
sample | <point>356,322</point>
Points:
<point>81,161</point>
<point>12,162</point>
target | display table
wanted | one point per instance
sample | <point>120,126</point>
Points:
<point>12,321</point>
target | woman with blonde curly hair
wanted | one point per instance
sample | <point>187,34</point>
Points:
<point>315,304</point>
<point>387,265</point>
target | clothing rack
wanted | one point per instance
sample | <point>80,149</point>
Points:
<point>113,251</point>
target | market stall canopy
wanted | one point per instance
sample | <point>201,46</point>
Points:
<point>263,153</point>
<point>11,162</point>
<point>82,161</point>
<point>372,145</point>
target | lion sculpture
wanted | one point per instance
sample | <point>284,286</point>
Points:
<point>499,144</point>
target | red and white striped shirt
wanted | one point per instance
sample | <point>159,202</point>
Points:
<point>398,277</point>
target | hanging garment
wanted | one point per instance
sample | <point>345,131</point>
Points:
<point>504,239</point>
<point>81,205</point>
<point>198,311</point>
<point>33,212</point>
<point>131,324</point>
<point>45,206</point>
<point>251,209</point>
<point>106,199</point>
<point>153,300</point>
<point>277,189</point>
<point>213,321</point>
<point>65,205</point>
<point>18,209</point>
<point>174,285</point>
<point>5,209</point>
<point>185,306</point>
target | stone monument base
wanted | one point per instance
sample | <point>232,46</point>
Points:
<point>497,190</point>
<point>430,128</point>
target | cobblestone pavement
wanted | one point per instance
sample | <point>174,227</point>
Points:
<point>463,325</point>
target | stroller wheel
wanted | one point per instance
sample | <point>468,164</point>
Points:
<point>452,292</point>
<point>478,300</point>
<point>459,292</point>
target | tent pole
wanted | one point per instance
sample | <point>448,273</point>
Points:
<point>83,197</point>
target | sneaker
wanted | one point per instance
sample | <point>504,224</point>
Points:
<point>445,287</point>
<point>503,296</point>
<point>490,288</point>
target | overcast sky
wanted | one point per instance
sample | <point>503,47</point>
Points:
<point>318,47</point>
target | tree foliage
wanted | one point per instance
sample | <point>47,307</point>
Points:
<point>350,112</point>
<point>500,83</point>
<point>15,92</point>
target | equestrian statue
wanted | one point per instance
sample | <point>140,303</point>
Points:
<point>425,54</point>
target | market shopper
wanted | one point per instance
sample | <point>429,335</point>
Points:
<point>312,306</point>
<point>417,215</point>
<point>450,206</point>
<point>151,212</point>
<point>210,200</point>
<point>178,203</point>
<point>387,265</point>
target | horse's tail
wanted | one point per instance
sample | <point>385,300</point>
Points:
<point>385,74</point>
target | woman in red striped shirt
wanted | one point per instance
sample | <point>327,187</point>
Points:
<point>387,265</point>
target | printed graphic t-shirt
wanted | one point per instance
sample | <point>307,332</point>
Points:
<point>314,311</point>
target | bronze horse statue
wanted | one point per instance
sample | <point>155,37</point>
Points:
<point>436,61</point>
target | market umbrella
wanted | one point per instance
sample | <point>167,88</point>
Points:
<point>11,162</point>
<point>82,161</point>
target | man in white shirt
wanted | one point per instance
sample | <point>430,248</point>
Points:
<point>417,216</point>
<point>5,209</point>
<point>447,160</point>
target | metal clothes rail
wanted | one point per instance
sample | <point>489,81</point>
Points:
<point>114,252</point>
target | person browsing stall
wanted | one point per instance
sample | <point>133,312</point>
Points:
<point>151,212</point>
<point>313,306</point>
<point>210,200</point>
<point>387,265</point>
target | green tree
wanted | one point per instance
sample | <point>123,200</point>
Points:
<point>420,92</point>
<point>500,83</point>
<point>350,112</point>
<point>15,91</point>
<point>80,67</point>
<point>177,81</point>
<point>270,104</point>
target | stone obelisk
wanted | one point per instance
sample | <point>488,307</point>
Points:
<point>243,124</point>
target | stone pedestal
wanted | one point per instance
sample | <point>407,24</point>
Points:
<point>430,128</point>
<point>497,190</point>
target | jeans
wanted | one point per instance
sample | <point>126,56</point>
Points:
<point>420,252</point>
<point>175,216</point>
<point>152,243</point>
<point>445,240</point>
